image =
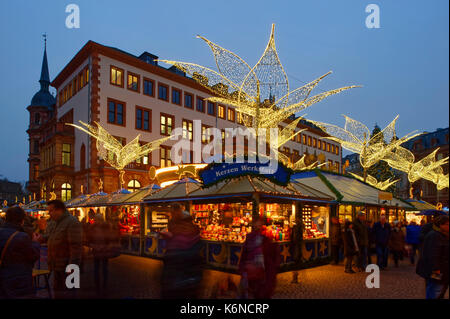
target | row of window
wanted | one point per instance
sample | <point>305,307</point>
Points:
<point>143,121</point>
<point>148,88</point>
<point>75,85</point>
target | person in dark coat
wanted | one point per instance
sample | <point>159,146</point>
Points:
<point>182,252</point>
<point>22,252</point>
<point>64,240</point>
<point>433,262</point>
<point>382,232</point>
<point>413,240</point>
<point>371,249</point>
<point>259,263</point>
<point>335,239</point>
<point>362,237</point>
<point>350,246</point>
<point>396,242</point>
<point>99,237</point>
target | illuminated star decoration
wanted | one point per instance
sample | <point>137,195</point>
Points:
<point>355,137</point>
<point>427,168</point>
<point>374,182</point>
<point>112,150</point>
<point>253,91</point>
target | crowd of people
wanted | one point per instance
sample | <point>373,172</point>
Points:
<point>360,240</point>
<point>21,238</point>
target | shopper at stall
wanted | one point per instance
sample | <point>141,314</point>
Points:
<point>396,242</point>
<point>335,239</point>
<point>433,263</point>
<point>64,246</point>
<point>371,249</point>
<point>412,240</point>
<point>351,248</point>
<point>100,236</point>
<point>362,237</point>
<point>382,232</point>
<point>258,265</point>
<point>18,253</point>
<point>182,272</point>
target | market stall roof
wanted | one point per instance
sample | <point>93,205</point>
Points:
<point>137,196</point>
<point>189,189</point>
<point>94,200</point>
<point>36,205</point>
<point>74,202</point>
<point>345,189</point>
<point>180,189</point>
<point>432,212</point>
<point>419,204</point>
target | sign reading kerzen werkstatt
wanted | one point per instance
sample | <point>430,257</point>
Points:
<point>216,172</point>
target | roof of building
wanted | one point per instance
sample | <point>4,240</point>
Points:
<point>429,140</point>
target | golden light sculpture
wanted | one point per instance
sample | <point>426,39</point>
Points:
<point>253,91</point>
<point>371,180</point>
<point>427,168</point>
<point>355,137</point>
<point>112,150</point>
<point>300,165</point>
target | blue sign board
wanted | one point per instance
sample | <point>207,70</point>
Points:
<point>216,172</point>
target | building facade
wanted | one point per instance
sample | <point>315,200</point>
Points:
<point>130,95</point>
<point>422,146</point>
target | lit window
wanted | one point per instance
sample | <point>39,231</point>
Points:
<point>116,76</point>
<point>187,129</point>
<point>221,113</point>
<point>133,82</point>
<point>230,116</point>
<point>66,151</point>
<point>164,155</point>
<point>66,192</point>
<point>167,123</point>
<point>133,185</point>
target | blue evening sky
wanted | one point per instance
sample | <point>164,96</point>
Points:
<point>403,66</point>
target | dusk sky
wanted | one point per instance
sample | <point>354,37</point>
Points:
<point>403,65</point>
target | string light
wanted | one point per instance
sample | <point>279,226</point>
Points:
<point>252,91</point>
<point>112,150</point>
<point>374,182</point>
<point>427,168</point>
<point>355,137</point>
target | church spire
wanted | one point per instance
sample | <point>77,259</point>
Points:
<point>45,77</point>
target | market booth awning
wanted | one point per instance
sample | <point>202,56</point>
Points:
<point>432,212</point>
<point>419,205</point>
<point>345,189</point>
<point>244,186</point>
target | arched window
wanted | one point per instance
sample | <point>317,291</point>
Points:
<point>133,185</point>
<point>66,192</point>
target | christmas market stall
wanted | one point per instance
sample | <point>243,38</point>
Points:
<point>224,209</point>
<point>418,206</point>
<point>354,195</point>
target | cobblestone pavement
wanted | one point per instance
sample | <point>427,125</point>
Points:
<point>138,277</point>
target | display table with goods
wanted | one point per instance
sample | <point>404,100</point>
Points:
<point>354,196</point>
<point>224,215</point>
